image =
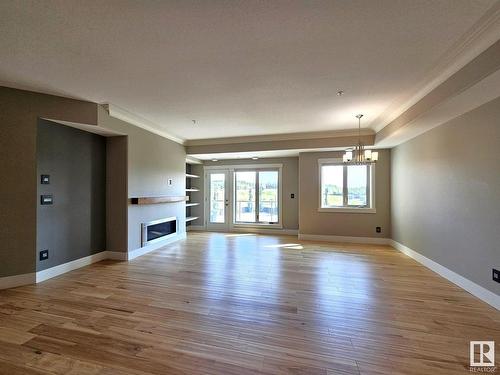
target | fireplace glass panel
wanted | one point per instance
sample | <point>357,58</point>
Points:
<point>160,230</point>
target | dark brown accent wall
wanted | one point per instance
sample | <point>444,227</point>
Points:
<point>19,114</point>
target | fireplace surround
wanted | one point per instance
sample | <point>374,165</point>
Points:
<point>158,230</point>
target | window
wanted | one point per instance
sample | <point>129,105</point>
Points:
<point>245,197</point>
<point>346,187</point>
<point>256,195</point>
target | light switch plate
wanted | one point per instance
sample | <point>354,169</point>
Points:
<point>46,199</point>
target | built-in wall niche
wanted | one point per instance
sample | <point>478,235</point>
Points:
<point>190,188</point>
<point>71,165</point>
<point>82,183</point>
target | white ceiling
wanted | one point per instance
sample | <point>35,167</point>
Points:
<point>237,67</point>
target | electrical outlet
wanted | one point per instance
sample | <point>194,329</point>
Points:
<point>496,275</point>
<point>378,229</point>
<point>44,254</point>
<point>45,179</point>
<point>292,196</point>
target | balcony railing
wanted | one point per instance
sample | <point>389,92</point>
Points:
<point>245,211</point>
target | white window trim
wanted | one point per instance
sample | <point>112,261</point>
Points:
<point>232,169</point>
<point>351,210</point>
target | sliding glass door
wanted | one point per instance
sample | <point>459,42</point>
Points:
<point>245,196</point>
<point>268,197</point>
<point>239,196</point>
<point>256,196</point>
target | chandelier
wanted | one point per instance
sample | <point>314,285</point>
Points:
<point>359,155</point>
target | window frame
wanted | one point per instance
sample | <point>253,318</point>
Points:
<point>369,208</point>
<point>257,196</point>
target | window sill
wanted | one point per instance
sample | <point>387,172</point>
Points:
<point>348,210</point>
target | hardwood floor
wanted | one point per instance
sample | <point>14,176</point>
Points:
<point>245,304</point>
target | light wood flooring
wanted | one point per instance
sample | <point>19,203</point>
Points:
<point>245,304</point>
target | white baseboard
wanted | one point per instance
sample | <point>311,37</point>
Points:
<point>31,278</point>
<point>147,249</point>
<point>470,286</point>
<point>278,231</point>
<point>70,266</point>
<point>345,239</point>
<point>17,280</point>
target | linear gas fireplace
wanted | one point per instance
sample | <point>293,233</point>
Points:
<point>158,230</point>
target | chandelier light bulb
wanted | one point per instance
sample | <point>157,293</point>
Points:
<point>359,155</point>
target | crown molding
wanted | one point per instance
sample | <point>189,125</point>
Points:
<point>279,137</point>
<point>192,160</point>
<point>475,84</point>
<point>95,129</point>
<point>131,118</point>
<point>483,34</point>
<point>468,100</point>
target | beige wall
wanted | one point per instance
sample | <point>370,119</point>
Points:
<point>311,221</point>
<point>290,184</point>
<point>442,187</point>
<point>19,113</point>
<point>152,160</point>
<point>446,194</point>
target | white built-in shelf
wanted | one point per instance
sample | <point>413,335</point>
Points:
<point>193,160</point>
<point>192,189</point>
<point>191,204</point>
<point>191,218</point>
<point>188,175</point>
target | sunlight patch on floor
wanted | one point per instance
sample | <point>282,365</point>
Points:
<point>287,246</point>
